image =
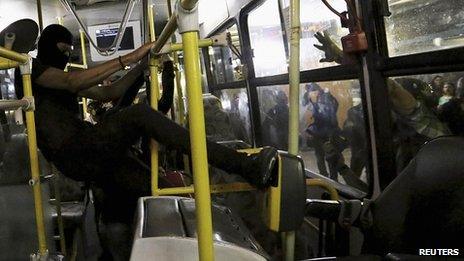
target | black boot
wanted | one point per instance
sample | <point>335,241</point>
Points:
<point>261,168</point>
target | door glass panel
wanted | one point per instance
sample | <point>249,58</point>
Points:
<point>312,22</point>
<point>267,40</point>
<point>437,110</point>
<point>332,135</point>
<point>227,116</point>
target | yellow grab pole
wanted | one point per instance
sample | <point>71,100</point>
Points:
<point>83,49</point>
<point>32,142</point>
<point>34,161</point>
<point>60,20</point>
<point>198,145</point>
<point>12,55</point>
<point>154,94</point>
<point>294,77</point>
<point>201,44</point>
<point>7,64</point>
<point>320,183</point>
<point>214,189</point>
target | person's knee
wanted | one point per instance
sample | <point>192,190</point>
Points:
<point>141,108</point>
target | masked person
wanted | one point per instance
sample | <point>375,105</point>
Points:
<point>98,153</point>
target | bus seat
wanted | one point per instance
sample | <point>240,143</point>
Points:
<point>186,249</point>
<point>18,236</point>
<point>159,217</point>
<point>16,165</point>
<point>284,206</point>
<point>423,208</point>
<point>428,199</point>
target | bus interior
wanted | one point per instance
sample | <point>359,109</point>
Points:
<point>363,99</point>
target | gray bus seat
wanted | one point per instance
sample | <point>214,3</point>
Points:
<point>175,216</point>
<point>18,233</point>
<point>186,249</point>
<point>15,167</point>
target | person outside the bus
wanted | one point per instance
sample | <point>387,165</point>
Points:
<point>448,94</point>
<point>413,118</point>
<point>323,106</point>
<point>275,123</point>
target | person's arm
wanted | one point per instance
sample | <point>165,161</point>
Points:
<point>403,102</point>
<point>332,52</point>
<point>116,89</point>
<point>76,81</point>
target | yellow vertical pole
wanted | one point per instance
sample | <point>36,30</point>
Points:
<point>294,77</point>
<point>154,94</point>
<point>83,49</point>
<point>198,145</point>
<point>60,20</point>
<point>34,161</point>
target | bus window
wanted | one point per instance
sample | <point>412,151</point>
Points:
<point>235,103</point>
<point>332,129</point>
<point>420,26</point>
<point>267,40</point>
<point>312,22</point>
<point>226,65</point>
<point>438,110</point>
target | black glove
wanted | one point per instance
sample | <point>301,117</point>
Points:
<point>332,52</point>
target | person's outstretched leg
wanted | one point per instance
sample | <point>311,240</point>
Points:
<point>139,120</point>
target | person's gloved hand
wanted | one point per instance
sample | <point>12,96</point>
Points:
<point>332,52</point>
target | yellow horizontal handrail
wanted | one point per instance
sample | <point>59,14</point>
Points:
<point>8,105</point>
<point>76,65</point>
<point>7,64</point>
<point>215,189</point>
<point>12,55</point>
<point>201,43</point>
<point>168,30</point>
<point>320,183</point>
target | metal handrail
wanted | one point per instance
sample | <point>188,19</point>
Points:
<point>8,105</point>
<point>107,51</point>
<point>168,30</point>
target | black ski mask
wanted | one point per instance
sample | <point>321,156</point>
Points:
<point>48,51</point>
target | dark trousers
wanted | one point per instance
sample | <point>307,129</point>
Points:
<point>99,154</point>
<point>322,157</point>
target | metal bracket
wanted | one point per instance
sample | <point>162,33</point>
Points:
<point>187,20</point>
<point>220,39</point>
<point>26,68</point>
<point>30,103</point>
<point>18,115</point>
